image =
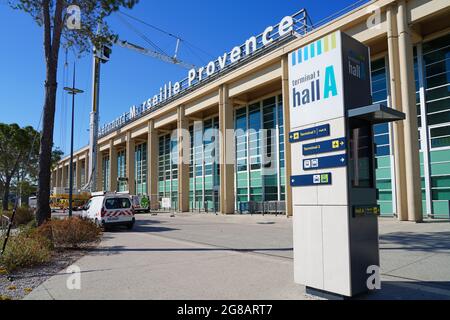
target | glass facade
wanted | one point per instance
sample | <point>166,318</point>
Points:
<point>259,137</point>
<point>140,168</point>
<point>382,139</point>
<point>121,170</point>
<point>82,173</point>
<point>168,169</point>
<point>432,84</point>
<point>436,83</point>
<point>204,179</point>
<point>260,151</point>
<point>66,176</point>
<point>105,173</point>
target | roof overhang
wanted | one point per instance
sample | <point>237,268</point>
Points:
<point>376,113</point>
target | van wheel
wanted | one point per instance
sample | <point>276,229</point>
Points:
<point>101,226</point>
<point>130,226</point>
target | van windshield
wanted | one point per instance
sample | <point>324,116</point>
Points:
<point>117,203</point>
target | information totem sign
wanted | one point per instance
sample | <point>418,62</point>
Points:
<point>333,186</point>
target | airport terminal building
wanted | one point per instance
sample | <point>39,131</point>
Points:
<point>247,91</point>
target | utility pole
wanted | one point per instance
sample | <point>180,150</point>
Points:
<point>73,91</point>
<point>93,123</point>
<point>100,56</point>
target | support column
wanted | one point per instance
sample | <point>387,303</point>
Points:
<point>60,184</point>
<point>287,129</point>
<point>408,92</point>
<point>52,179</point>
<point>398,147</point>
<point>152,165</point>
<point>183,144</point>
<point>56,177</point>
<point>63,176</point>
<point>86,168</point>
<point>112,166</point>
<point>227,152</point>
<point>130,149</point>
<point>78,173</point>
<point>99,169</point>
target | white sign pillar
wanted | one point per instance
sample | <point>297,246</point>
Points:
<point>326,79</point>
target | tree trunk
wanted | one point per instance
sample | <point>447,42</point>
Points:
<point>51,49</point>
<point>6,194</point>
<point>43,212</point>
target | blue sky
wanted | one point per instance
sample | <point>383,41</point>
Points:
<point>129,77</point>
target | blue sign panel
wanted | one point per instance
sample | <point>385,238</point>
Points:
<point>310,133</point>
<point>311,179</point>
<point>339,160</point>
<point>324,146</point>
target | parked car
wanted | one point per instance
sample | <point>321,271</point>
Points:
<point>110,209</point>
<point>141,204</point>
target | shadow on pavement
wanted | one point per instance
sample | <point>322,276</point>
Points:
<point>127,249</point>
<point>429,241</point>
<point>141,226</point>
<point>410,290</point>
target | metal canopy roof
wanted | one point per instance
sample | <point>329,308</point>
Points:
<point>376,113</point>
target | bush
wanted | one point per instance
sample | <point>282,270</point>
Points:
<point>32,246</point>
<point>26,249</point>
<point>71,233</point>
<point>23,216</point>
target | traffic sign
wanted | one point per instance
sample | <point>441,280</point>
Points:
<point>337,144</point>
<point>311,179</point>
<point>309,133</point>
<point>339,160</point>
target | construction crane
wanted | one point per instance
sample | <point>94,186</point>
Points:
<point>157,55</point>
<point>102,56</point>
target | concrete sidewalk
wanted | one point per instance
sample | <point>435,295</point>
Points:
<point>241,257</point>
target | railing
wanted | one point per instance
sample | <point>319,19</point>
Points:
<point>262,207</point>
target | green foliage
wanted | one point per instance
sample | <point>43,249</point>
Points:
<point>19,151</point>
<point>16,148</point>
<point>56,157</point>
<point>93,14</point>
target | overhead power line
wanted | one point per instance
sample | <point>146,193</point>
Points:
<point>143,36</point>
<point>167,33</point>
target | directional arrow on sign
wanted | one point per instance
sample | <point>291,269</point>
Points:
<point>339,160</point>
<point>331,145</point>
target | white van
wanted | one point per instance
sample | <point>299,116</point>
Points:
<point>110,209</point>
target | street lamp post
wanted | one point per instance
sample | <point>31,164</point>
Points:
<point>73,91</point>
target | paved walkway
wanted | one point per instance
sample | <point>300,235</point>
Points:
<point>241,257</point>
